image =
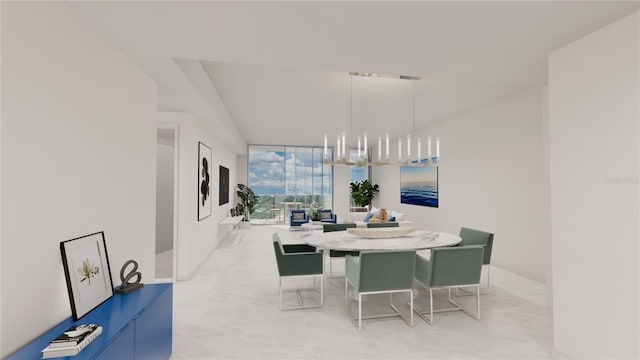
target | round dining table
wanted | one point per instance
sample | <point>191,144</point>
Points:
<point>417,240</point>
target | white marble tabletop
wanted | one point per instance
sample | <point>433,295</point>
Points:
<point>342,240</point>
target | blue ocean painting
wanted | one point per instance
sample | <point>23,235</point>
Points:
<point>419,185</point>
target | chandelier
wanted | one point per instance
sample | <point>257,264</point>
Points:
<point>344,154</point>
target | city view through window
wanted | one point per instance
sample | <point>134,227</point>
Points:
<point>286,178</point>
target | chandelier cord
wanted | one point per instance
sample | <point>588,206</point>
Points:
<point>351,107</point>
<point>413,83</point>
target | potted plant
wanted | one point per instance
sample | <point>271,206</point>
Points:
<point>248,201</point>
<point>314,211</point>
<point>363,193</point>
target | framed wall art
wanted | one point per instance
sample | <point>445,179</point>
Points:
<point>419,185</point>
<point>224,186</point>
<point>87,272</point>
<point>204,181</point>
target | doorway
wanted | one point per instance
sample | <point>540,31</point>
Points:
<point>166,201</point>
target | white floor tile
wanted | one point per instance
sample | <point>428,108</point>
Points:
<point>229,310</point>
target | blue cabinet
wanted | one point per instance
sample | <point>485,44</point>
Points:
<point>153,331</point>
<point>134,326</point>
<point>122,347</point>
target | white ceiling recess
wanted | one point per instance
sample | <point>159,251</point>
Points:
<point>279,68</point>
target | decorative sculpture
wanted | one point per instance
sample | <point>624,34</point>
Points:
<point>128,286</point>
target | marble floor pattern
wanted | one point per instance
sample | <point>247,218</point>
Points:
<point>229,310</point>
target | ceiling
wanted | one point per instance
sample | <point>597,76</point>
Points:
<point>277,72</point>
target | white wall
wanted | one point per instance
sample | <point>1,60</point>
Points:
<point>242,167</point>
<point>594,136</point>
<point>546,207</point>
<point>341,192</point>
<point>490,178</point>
<point>198,239</point>
<point>78,156</point>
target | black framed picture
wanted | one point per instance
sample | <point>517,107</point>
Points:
<point>87,272</point>
<point>224,185</point>
<point>204,181</point>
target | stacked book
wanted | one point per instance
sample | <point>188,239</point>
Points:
<point>72,341</point>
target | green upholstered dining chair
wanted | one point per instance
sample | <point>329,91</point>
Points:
<point>337,253</point>
<point>298,260</point>
<point>382,224</point>
<point>379,272</point>
<point>484,239</point>
<point>337,227</point>
<point>450,267</point>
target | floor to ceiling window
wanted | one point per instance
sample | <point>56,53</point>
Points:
<point>286,178</point>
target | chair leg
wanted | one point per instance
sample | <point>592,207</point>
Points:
<point>466,292</point>
<point>321,291</point>
<point>431,306</point>
<point>299,295</point>
<point>359,312</point>
<point>429,319</point>
<point>488,279</point>
<point>280,291</point>
<point>330,267</point>
<point>411,306</point>
<point>478,301</point>
<point>346,294</point>
<point>426,315</point>
<point>468,312</point>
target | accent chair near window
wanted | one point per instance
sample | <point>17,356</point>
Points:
<point>297,218</point>
<point>327,216</point>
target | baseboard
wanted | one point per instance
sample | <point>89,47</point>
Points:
<point>197,268</point>
<point>529,276</point>
<point>557,354</point>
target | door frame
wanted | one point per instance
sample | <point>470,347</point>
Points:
<point>176,166</point>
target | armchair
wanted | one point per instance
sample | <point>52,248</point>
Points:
<point>298,260</point>
<point>378,272</point>
<point>297,218</point>
<point>484,239</point>
<point>327,216</point>
<point>450,267</point>
<point>338,253</point>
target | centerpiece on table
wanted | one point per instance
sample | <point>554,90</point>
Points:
<point>314,211</point>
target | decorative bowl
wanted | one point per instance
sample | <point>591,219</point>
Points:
<point>382,233</point>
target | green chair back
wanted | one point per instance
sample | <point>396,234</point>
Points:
<point>386,270</point>
<point>477,237</point>
<point>337,227</point>
<point>382,224</point>
<point>451,266</point>
<point>296,262</point>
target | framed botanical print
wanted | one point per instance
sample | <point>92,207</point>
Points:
<point>87,272</point>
